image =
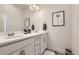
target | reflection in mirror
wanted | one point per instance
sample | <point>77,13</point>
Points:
<point>5,20</point>
<point>12,18</point>
<point>33,13</point>
<point>1,22</point>
<point>35,9</point>
<point>13,15</point>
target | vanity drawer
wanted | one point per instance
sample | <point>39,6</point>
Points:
<point>37,38</point>
<point>37,43</point>
<point>37,47</point>
<point>15,46</point>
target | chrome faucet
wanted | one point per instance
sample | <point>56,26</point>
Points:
<point>11,34</point>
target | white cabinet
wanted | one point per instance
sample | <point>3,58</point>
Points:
<point>43,42</point>
<point>34,45</point>
<point>40,43</point>
<point>37,45</point>
<point>12,48</point>
<point>27,50</point>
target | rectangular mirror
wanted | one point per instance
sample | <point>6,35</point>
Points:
<point>13,17</point>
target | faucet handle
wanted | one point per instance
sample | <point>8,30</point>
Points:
<point>8,34</point>
<point>12,33</point>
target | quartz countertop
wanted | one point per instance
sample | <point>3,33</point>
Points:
<point>5,40</point>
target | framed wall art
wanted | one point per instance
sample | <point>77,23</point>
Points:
<point>58,18</point>
<point>27,22</point>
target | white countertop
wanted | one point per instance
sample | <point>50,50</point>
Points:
<point>5,40</point>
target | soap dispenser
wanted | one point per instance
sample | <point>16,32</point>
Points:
<point>33,27</point>
<point>44,26</point>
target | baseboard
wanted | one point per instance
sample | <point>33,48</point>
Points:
<point>51,50</point>
<point>56,52</point>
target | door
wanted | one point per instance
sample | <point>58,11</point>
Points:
<point>43,43</point>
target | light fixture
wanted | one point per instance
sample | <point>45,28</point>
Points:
<point>31,8</point>
<point>34,7</point>
<point>37,8</point>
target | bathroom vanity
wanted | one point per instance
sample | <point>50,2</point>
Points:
<point>24,44</point>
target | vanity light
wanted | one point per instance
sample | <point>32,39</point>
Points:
<point>37,8</point>
<point>33,7</point>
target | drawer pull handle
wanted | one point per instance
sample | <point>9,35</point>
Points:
<point>22,52</point>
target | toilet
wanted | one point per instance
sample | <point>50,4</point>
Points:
<point>48,52</point>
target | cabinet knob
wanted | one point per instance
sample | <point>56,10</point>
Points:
<point>22,52</point>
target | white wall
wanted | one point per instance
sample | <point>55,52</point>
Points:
<point>15,16</point>
<point>59,37</point>
<point>75,29</point>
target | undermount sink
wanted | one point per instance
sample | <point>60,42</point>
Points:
<point>15,36</point>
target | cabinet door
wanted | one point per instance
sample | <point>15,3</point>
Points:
<point>8,49</point>
<point>37,45</point>
<point>29,49</point>
<point>45,38</point>
<point>16,52</point>
<point>43,43</point>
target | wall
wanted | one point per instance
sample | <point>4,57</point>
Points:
<point>59,37</point>
<point>75,29</point>
<point>15,17</point>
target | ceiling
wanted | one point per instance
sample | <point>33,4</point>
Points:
<point>24,6</point>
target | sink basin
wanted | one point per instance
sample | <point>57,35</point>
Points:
<point>15,36</point>
<point>18,36</point>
